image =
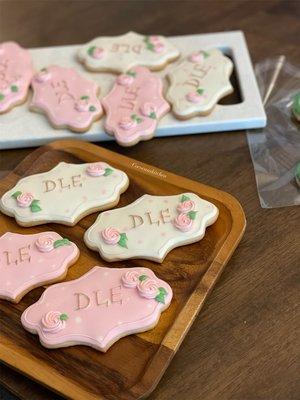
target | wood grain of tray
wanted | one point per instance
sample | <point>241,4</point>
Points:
<point>134,365</point>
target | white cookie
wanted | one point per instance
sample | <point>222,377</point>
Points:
<point>150,227</point>
<point>121,53</point>
<point>65,194</point>
<point>198,83</point>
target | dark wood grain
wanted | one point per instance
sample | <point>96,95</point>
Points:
<point>245,344</point>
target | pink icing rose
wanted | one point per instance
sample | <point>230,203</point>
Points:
<point>43,76</point>
<point>148,108</point>
<point>186,206</point>
<point>154,39</point>
<point>25,199</point>
<point>111,235</point>
<point>159,47</point>
<point>81,105</point>
<point>51,322</point>
<point>183,222</point>
<point>130,279</point>
<point>45,243</point>
<point>194,97</point>
<point>96,169</point>
<point>125,80</point>
<point>98,53</point>
<point>127,123</point>
<point>196,58</point>
<point>148,288</point>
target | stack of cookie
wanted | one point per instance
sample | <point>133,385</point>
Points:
<point>139,97</point>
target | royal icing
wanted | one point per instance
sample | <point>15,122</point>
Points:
<point>150,227</point>
<point>68,99</point>
<point>27,261</point>
<point>16,71</point>
<point>64,194</point>
<point>122,53</point>
<point>99,308</point>
<point>134,108</point>
<point>199,82</point>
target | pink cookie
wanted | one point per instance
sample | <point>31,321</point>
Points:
<point>68,99</point>
<point>29,261</point>
<point>99,308</point>
<point>16,71</point>
<point>134,106</point>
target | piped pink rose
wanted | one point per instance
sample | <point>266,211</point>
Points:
<point>54,321</point>
<point>125,80</point>
<point>148,287</point>
<point>149,110</point>
<point>45,244</point>
<point>130,279</point>
<point>183,222</point>
<point>196,58</point>
<point>96,52</point>
<point>43,76</point>
<point>127,123</point>
<point>196,97</point>
<point>186,206</point>
<point>98,169</point>
<point>112,236</point>
<point>25,199</point>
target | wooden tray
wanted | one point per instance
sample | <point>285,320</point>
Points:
<point>134,365</point>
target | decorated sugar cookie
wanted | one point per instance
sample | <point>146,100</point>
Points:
<point>99,308</point>
<point>134,106</point>
<point>16,71</point>
<point>65,194</point>
<point>150,227</point>
<point>29,261</point>
<point>69,100</point>
<point>199,82</point>
<point>121,53</point>
<point>296,106</point>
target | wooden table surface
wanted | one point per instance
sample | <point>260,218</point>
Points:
<point>245,342</point>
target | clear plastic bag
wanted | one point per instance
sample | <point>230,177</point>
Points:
<point>275,149</point>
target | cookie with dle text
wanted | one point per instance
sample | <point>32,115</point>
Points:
<point>121,53</point>
<point>99,308</point>
<point>16,71</point>
<point>29,261</point>
<point>150,227</point>
<point>65,194</point>
<point>66,98</point>
<point>134,106</point>
<point>198,83</point>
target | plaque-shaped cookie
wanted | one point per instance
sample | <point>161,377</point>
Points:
<point>16,71</point>
<point>121,53</point>
<point>134,106</point>
<point>65,194</point>
<point>99,308</point>
<point>198,83</point>
<point>29,261</point>
<point>67,99</point>
<point>150,227</point>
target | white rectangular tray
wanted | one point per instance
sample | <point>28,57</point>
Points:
<point>22,128</point>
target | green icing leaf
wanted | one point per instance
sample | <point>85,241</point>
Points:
<point>14,88</point>
<point>34,206</point>
<point>139,120</point>
<point>16,194</point>
<point>131,73</point>
<point>160,298</point>
<point>108,171</point>
<point>297,171</point>
<point>63,317</point>
<point>133,117</point>
<point>123,240</point>
<point>184,198</point>
<point>2,97</point>
<point>200,91</point>
<point>92,108</point>
<point>162,290</point>
<point>142,278</point>
<point>150,46</point>
<point>84,97</point>
<point>152,115</point>
<point>61,242</point>
<point>91,50</point>
<point>296,104</point>
<point>146,39</point>
<point>205,53</point>
<point>192,214</point>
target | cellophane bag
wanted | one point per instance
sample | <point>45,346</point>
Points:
<point>275,149</point>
